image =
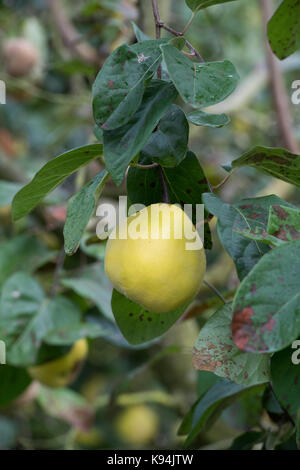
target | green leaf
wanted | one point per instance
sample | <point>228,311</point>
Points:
<point>284,223</point>
<point>23,253</point>
<point>276,162</point>
<point>123,144</point>
<point>196,5</point>
<point>186,184</point>
<point>68,334</point>
<point>119,86</point>
<point>7,192</point>
<point>247,440</point>
<point>136,324</point>
<point>266,305</point>
<point>259,234</point>
<point>247,214</point>
<point>81,207</point>
<point>13,382</point>
<point>139,34</point>
<point>92,283</point>
<point>50,176</point>
<point>200,84</point>
<point>168,144</point>
<point>284,29</point>
<point>216,352</point>
<point>286,381</point>
<point>209,407</point>
<point>200,118</point>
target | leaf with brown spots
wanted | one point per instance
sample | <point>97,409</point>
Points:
<point>247,214</point>
<point>267,318</point>
<point>119,86</point>
<point>259,234</point>
<point>215,351</point>
<point>284,29</point>
<point>284,223</point>
<point>277,162</point>
<point>138,325</point>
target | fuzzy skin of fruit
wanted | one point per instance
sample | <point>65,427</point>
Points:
<point>20,56</point>
<point>61,372</point>
<point>137,425</point>
<point>158,273</point>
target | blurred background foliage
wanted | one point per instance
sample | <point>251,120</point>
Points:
<point>50,53</point>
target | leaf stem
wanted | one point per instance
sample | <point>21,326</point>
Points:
<point>215,290</point>
<point>223,181</point>
<point>144,167</point>
<point>59,265</point>
<point>164,187</point>
<point>189,23</point>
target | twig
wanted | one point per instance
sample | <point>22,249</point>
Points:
<point>70,35</point>
<point>223,181</point>
<point>215,290</point>
<point>188,23</point>
<point>59,265</point>
<point>161,25</point>
<point>164,187</point>
<point>278,89</point>
<point>157,30</point>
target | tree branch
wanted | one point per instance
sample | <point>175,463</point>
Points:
<point>280,97</point>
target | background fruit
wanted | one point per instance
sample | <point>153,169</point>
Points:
<point>137,425</point>
<point>62,371</point>
<point>20,56</point>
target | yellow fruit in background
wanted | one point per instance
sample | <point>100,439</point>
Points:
<point>61,372</point>
<point>137,425</point>
<point>156,270</point>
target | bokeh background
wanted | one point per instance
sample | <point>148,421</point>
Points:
<point>50,53</point>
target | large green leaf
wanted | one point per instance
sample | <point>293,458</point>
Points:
<point>200,84</point>
<point>119,86</point>
<point>123,144</point>
<point>286,381</point>
<point>22,253</point>
<point>200,118</point>
<point>209,407</point>
<point>138,325</point>
<point>277,162</point>
<point>196,5</point>
<point>284,223</point>
<point>80,209</point>
<point>284,29</point>
<point>186,184</point>
<point>50,176</point>
<point>266,305</point>
<point>7,192</point>
<point>13,382</point>
<point>216,352</point>
<point>247,214</point>
<point>168,144</point>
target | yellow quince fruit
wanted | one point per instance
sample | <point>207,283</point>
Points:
<point>156,258</point>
